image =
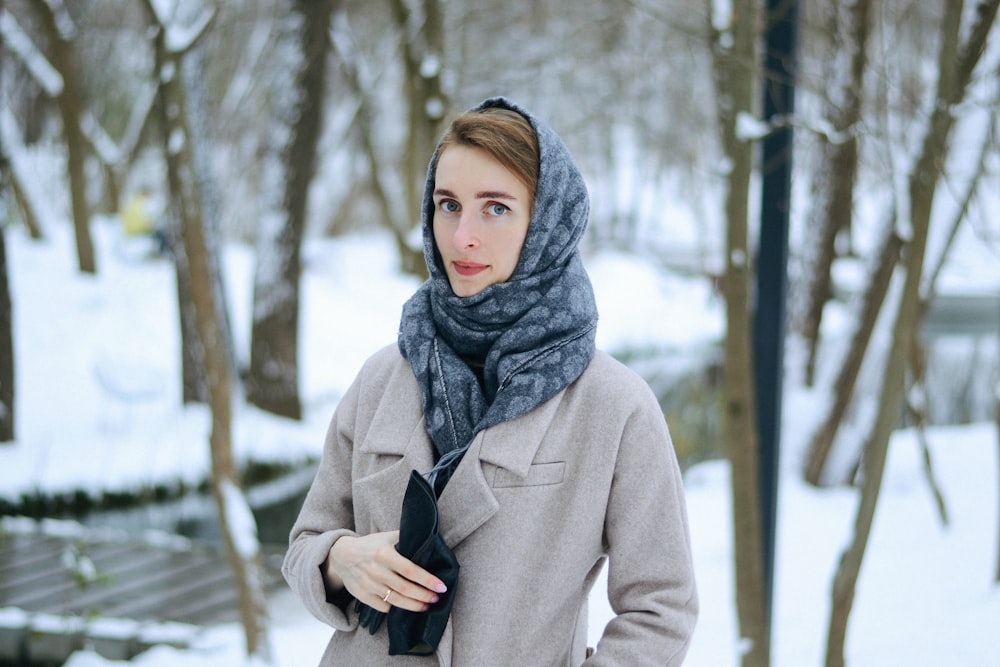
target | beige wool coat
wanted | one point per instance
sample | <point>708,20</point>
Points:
<point>535,509</point>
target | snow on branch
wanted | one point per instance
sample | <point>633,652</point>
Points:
<point>105,147</point>
<point>10,139</point>
<point>750,128</point>
<point>722,15</point>
<point>22,46</point>
<point>181,38</point>
<point>110,152</point>
<point>240,520</point>
<point>137,119</point>
<point>64,22</point>
<point>51,81</point>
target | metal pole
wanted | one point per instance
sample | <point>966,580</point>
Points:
<point>772,260</point>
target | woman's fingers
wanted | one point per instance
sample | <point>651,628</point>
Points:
<point>405,594</point>
<point>410,571</point>
<point>374,572</point>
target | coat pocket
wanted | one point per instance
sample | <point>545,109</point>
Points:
<point>539,474</point>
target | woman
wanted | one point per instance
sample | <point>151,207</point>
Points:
<point>556,458</point>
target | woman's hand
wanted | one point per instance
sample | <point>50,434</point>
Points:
<point>371,570</point>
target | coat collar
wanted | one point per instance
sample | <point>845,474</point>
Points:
<point>468,501</point>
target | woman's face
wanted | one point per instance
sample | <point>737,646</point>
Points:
<point>481,216</point>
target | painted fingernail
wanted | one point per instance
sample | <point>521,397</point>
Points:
<point>441,588</point>
<point>434,599</point>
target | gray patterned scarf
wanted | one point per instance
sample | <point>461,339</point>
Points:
<point>534,333</point>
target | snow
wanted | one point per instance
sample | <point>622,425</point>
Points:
<point>98,408</point>
<point>749,128</point>
<point>241,523</point>
<point>179,40</point>
<point>722,15</point>
<point>176,142</point>
<point>19,43</point>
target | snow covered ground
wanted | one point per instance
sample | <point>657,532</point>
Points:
<point>98,388</point>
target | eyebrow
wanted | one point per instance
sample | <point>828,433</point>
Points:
<point>483,194</point>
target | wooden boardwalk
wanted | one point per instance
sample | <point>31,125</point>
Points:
<point>62,586</point>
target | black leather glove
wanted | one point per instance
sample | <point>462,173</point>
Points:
<point>418,633</point>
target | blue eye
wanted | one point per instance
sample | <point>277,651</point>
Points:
<point>497,209</point>
<point>448,206</point>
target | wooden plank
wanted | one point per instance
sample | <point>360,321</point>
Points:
<point>16,552</point>
<point>49,576</point>
<point>144,581</point>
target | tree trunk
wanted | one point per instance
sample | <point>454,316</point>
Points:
<point>733,52</point>
<point>273,379</point>
<point>188,198</point>
<point>6,321</point>
<point>955,66</point>
<point>23,201</point>
<point>996,418</point>
<point>835,179</point>
<point>11,146</point>
<point>59,30</point>
<point>843,388</point>
<point>7,432</point>
<point>426,108</point>
<point>423,60</point>
<point>194,385</point>
<point>411,261</point>
<point>916,406</point>
<point>427,105</point>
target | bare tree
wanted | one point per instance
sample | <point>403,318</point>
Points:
<point>956,62</point>
<point>733,40</point>
<point>918,407</point>
<point>420,27</point>
<point>23,201</point>
<point>426,103</point>
<point>6,325</point>
<point>186,182</point>
<point>20,45</point>
<point>14,181</point>
<point>850,366</point>
<point>273,379</point>
<point>61,33</point>
<point>996,418</point>
<point>834,180</point>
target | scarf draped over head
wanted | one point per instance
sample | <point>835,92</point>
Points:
<point>533,333</point>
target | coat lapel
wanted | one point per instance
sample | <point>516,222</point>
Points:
<point>383,489</point>
<point>468,501</point>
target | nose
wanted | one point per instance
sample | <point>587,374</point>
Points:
<point>466,234</point>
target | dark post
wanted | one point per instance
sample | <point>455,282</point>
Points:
<point>772,259</point>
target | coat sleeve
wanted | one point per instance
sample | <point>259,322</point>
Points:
<point>327,514</point>
<point>651,584</point>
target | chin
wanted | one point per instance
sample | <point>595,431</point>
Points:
<point>465,290</point>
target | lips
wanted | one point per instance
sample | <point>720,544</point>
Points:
<point>468,268</point>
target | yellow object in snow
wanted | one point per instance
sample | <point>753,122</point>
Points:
<point>135,216</point>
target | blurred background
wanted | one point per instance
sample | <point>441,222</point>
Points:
<point>211,217</point>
